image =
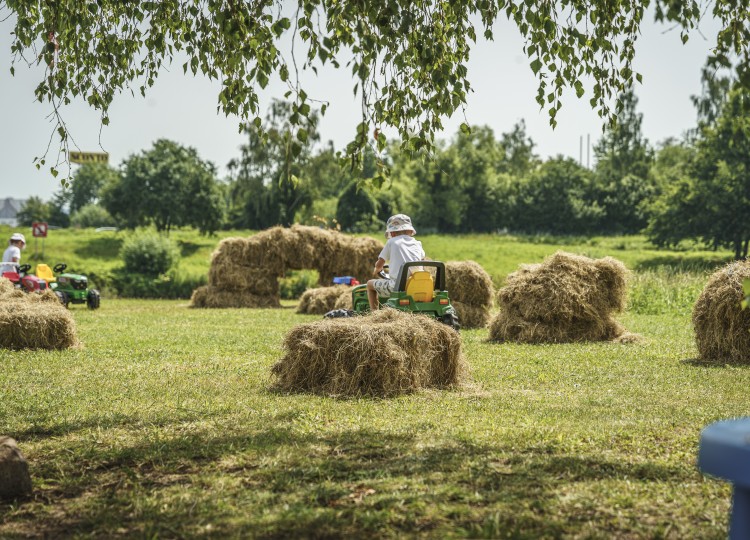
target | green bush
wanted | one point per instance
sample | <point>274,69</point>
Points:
<point>164,286</point>
<point>295,283</point>
<point>149,254</point>
<point>92,215</point>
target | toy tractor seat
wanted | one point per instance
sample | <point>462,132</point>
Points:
<point>420,286</point>
<point>45,272</point>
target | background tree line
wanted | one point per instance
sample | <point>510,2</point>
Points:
<point>696,188</point>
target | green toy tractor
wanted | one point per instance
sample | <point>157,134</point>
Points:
<point>74,288</point>
<point>418,293</point>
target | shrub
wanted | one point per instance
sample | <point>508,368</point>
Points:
<point>164,286</point>
<point>92,215</point>
<point>295,283</point>
<point>149,255</point>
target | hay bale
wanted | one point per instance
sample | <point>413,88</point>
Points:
<point>34,321</point>
<point>15,480</point>
<point>211,297</point>
<point>566,298</point>
<point>468,283</point>
<point>722,327</point>
<point>471,316</point>
<point>321,300</point>
<point>230,276</point>
<point>245,271</point>
<point>344,301</point>
<point>383,354</point>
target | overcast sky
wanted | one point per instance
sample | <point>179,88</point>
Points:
<point>183,108</point>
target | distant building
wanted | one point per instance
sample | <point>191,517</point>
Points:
<point>9,210</point>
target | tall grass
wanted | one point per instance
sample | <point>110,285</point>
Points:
<point>664,290</point>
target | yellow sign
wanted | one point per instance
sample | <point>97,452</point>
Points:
<point>89,157</point>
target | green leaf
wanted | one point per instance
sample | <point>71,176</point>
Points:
<point>579,89</point>
<point>536,65</point>
<point>302,135</point>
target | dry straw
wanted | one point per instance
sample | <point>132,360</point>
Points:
<point>323,299</point>
<point>382,354</point>
<point>34,321</point>
<point>471,291</point>
<point>566,298</point>
<point>245,271</point>
<point>722,327</point>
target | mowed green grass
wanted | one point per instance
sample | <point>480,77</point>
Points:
<point>163,425</point>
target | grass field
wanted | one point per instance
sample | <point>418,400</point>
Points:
<point>163,425</point>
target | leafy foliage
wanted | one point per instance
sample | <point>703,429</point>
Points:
<point>86,185</point>
<point>149,254</point>
<point>269,185</point>
<point>709,202</point>
<point>92,215</point>
<point>169,186</point>
<point>94,50</point>
<point>34,209</point>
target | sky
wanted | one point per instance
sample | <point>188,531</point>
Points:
<point>182,108</point>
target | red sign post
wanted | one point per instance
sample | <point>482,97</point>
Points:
<point>39,230</point>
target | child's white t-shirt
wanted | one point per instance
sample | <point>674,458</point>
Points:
<point>11,252</point>
<point>399,250</point>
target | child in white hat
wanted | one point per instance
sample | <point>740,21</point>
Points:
<point>400,248</point>
<point>12,254</point>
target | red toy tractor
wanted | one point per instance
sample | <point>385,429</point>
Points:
<point>26,282</point>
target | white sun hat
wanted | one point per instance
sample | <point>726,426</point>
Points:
<point>399,222</point>
<point>17,236</point>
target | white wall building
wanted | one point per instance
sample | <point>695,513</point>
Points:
<point>9,208</point>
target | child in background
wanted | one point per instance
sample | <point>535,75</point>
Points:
<point>400,248</point>
<point>12,254</point>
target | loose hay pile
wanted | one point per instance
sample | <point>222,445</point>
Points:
<point>323,299</point>
<point>470,289</point>
<point>34,321</point>
<point>382,354</point>
<point>722,327</point>
<point>566,298</point>
<point>245,271</point>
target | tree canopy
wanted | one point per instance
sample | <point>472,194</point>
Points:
<point>92,50</point>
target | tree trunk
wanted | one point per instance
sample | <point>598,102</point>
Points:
<point>744,248</point>
<point>737,249</point>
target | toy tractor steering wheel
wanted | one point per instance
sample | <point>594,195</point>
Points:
<point>23,268</point>
<point>58,268</point>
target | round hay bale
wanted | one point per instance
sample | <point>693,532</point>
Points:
<point>722,327</point>
<point>344,301</point>
<point>566,298</point>
<point>383,354</point>
<point>321,300</point>
<point>35,321</point>
<point>468,283</point>
<point>243,278</point>
<point>471,316</point>
<point>211,297</point>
